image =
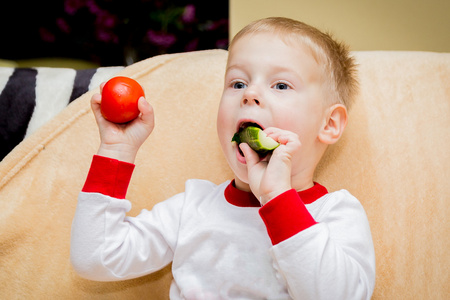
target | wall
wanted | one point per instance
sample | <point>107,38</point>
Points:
<point>422,25</point>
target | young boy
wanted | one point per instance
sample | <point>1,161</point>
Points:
<point>271,233</point>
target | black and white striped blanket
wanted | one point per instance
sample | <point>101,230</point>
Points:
<point>29,97</point>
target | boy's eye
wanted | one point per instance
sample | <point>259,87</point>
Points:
<point>239,85</point>
<point>281,86</point>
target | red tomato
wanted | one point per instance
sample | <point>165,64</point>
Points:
<point>120,97</point>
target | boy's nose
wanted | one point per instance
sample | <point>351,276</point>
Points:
<point>250,101</point>
<point>251,97</point>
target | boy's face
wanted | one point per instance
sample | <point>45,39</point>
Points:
<point>273,84</point>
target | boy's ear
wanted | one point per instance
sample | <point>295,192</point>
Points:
<point>334,124</point>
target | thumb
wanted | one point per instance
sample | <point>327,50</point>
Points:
<point>251,157</point>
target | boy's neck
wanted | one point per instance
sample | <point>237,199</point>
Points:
<point>298,186</point>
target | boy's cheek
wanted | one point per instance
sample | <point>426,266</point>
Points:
<point>225,142</point>
<point>225,124</point>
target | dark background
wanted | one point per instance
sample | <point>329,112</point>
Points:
<point>110,32</point>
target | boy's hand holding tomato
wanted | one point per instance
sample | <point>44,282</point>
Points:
<point>125,119</point>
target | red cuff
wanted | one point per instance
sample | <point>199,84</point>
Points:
<point>285,216</point>
<point>109,177</point>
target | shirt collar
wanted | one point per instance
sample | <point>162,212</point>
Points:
<point>240,198</point>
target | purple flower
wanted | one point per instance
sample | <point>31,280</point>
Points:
<point>188,14</point>
<point>105,23</point>
<point>222,43</point>
<point>93,7</point>
<point>72,6</point>
<point>62,25</point>
<point>192,45</point>
<point>162,39</point>
<point>106,36</point>
<point>46,35</point>
<point>214,25</point>
<point>105,19</point>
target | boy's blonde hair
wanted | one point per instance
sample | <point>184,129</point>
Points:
<point>338,66</point>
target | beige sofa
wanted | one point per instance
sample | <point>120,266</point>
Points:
<point>394,156</point>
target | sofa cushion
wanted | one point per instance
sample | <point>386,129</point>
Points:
<point>393,156</point>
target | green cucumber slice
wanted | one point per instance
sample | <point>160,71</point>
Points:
<point>256,139</point>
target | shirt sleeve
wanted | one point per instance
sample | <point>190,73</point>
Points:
<point>285,216</point>
<point>333,259</point>
<point>109,177</point>
<point>108,245</point>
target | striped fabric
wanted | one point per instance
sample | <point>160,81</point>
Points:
<point>29,97</point>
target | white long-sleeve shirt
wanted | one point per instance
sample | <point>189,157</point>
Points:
<point>222,247</point>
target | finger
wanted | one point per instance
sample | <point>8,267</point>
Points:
<point>281,136</point>
<point>284,139</point>
<point>96,99</point>
<point>147,113</point>
<point>274,133</point>
<point>271,130</point>
<point>96,109</point>
<point>95,104</point>
<point>101,86</point>
<point>251,157</point>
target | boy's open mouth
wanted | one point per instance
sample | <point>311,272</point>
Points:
<point>243,126</point>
